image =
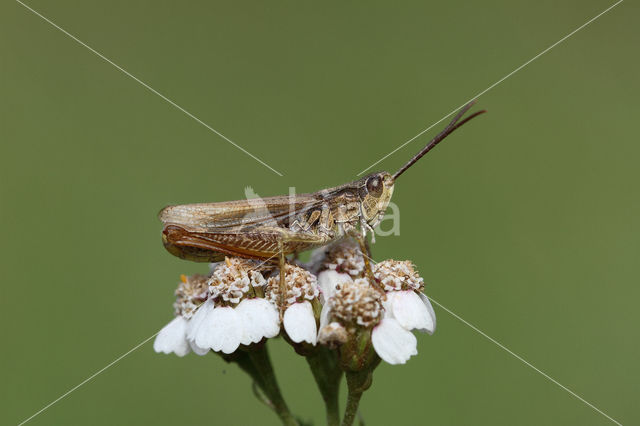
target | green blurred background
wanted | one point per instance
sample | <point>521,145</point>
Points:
<point>525,223</point>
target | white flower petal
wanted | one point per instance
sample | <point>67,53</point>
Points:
<point>392,342</point>
<point>324,315</point>
<point>173,338</point>
<point>327,282</point>
<point>197,349</point>
<point>220,330</point>
<point>259,319</point>
<point>387,304</point>
<point>197,318</point>
<point>432,314</point>
<point>410,311</point>
<point>300,324</point>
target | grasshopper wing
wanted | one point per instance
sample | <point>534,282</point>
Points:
<point>251,228</point>
<point>231,215</point>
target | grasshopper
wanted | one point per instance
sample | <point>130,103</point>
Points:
<point>264,228</point>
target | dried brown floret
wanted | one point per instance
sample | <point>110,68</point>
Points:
<point>333,334</point>
<point>191,293</point>
<point>301,285</point>
<point>345,257</point>
<point>356,303</point>
<point>234,278</point>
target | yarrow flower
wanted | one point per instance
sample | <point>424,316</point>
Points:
<point>191,293</point>
<point>335,316</point>
<point>237,305</point>
<point>299,300</point>
<point>346,258</point>
<point>231,310</point>
<point>236,312</point>
<point>405,301</point>
<point>406,308</point>
<point>352,304</point>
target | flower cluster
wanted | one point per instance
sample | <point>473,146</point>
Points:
<point>343,317</point>
<point>243,302</point>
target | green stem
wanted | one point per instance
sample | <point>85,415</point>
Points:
<point>244,362</point>
<point>260,358</point>
<point>353,400</point>
<point>327,373</point>
<point>357,382</point>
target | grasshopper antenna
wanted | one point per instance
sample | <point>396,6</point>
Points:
<point>455,123</point>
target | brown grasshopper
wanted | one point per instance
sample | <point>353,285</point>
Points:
<point>264,228</point>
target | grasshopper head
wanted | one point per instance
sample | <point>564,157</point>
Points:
<point>375,194</point>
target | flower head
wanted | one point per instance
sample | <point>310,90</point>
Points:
<point>232,280</point>
<point>220,312</point>
<point>301,285</point>
<point>354,308</point>
<point>345,257</point>
<point>301,293</point>
<point>235,313</point>
<point>356,303</point>
<point>192,291</point>
<point>406,308</point>
<point>398,275</point>
<point>190,294</point>
<point>405,300</point>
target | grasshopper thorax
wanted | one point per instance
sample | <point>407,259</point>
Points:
<point>375,191</point>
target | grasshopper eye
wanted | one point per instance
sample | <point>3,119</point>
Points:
<point>374,186</point>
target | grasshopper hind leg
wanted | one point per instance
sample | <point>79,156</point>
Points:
<point>282,260</point>
<point>291,243</point>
